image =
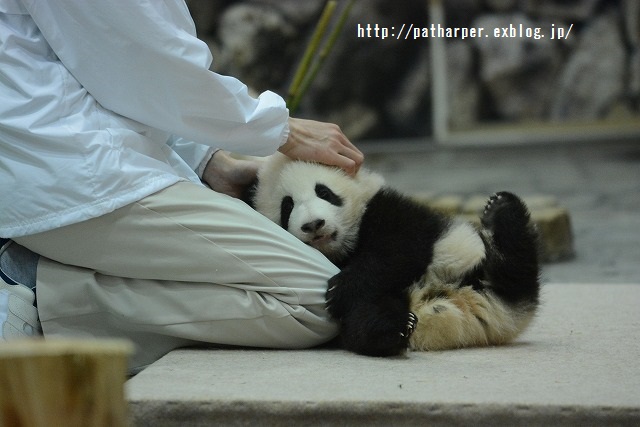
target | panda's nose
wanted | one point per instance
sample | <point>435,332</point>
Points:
<point>312,226</point>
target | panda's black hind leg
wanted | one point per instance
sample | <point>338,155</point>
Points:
<point>505,213</point>
<point>512,259</point>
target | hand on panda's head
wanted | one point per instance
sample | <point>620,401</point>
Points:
<point>321,142</point>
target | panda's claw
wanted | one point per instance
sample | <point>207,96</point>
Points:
<point>412,323</point>
<point>413,320</point>
<point>329,297</point>
<point>490,202</point>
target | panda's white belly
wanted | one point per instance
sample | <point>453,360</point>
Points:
<point>458,251</point>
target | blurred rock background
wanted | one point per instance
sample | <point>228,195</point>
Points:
<point>378,88</point>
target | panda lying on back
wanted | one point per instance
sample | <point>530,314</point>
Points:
<point>410,277</point>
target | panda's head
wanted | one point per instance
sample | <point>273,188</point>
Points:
<point>320,205</point>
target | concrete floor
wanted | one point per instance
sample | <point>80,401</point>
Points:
<point>570,368</point>
<point>598,183</point>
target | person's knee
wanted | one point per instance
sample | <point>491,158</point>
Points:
<point>320,328</point>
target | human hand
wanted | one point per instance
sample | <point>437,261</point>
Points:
<point>228,175</point>
<point>321,142</point>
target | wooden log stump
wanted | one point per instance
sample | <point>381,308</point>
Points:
<point>63,383</point>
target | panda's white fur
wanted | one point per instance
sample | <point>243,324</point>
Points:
<point>451,313</point>
<point>280,176</point>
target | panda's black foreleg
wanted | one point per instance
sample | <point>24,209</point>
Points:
<point>374,320</point>
<point>378,327</point>
<point>511,266</point>
<point>370,295</point>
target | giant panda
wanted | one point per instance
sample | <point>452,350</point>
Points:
<point>410,277</point>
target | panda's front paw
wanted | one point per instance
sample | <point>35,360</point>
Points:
<point>340,297</point>
<point>380,327</point>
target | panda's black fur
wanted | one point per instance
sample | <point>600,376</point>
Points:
<point>410,277</point>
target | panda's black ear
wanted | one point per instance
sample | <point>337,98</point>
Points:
<point>249,194</point>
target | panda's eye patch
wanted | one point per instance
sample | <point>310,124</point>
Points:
<point>323,192</point>
<point>286,206</point>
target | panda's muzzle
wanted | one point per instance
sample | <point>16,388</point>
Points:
<point>313,226</point>
<point>321,239</point>
<point>316,234</point>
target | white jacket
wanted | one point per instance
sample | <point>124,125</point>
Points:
<point>100,102</point>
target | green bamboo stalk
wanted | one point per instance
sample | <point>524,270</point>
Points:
<point>333,37</point>
<point>312,48</point>
<point>322,56</point>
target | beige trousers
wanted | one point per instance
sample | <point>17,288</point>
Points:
<point>185,265</point>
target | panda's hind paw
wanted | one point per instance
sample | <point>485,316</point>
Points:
<point>504,209</point>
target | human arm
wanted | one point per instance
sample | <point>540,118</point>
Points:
<point>308,140</point>
<point>229,175</point>
<point>143,61</point>
<point>195,155</point>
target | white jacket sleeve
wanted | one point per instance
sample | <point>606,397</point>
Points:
<point>194,154</point>
<point>142,60</point>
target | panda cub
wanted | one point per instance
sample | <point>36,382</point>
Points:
<point>410,277</point>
